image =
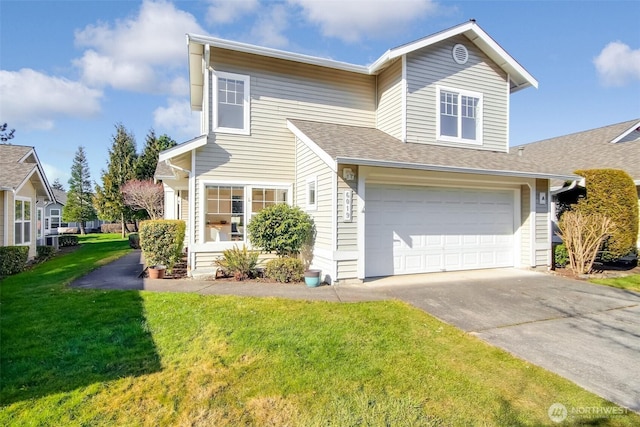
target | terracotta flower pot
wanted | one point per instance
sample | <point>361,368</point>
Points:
<point>156,272</point>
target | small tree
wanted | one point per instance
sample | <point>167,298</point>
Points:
<point>144,195</point>
<point>282,229</point>
<point>58,185</point>
<point>79,207</point>
<point>583,235</point>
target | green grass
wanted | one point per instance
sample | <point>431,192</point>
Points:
<point>630,283</point>
<point>89,357</point>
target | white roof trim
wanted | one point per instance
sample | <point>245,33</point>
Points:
<point>471,29</point>
<point>625,133</point>
<point>440,168</point>
<point>323,155</point>
<point>185,147</point>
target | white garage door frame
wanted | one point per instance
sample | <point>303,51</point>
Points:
<point>459,185</point>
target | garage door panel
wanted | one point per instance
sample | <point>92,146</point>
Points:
<point>426,229</point>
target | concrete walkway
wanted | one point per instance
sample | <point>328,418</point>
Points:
<point>587,333</point>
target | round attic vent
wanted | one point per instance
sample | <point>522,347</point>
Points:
<point>460,54</point>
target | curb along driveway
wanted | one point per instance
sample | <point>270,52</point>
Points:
<point>587,333</point>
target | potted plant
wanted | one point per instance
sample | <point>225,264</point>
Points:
<point>312,278</point>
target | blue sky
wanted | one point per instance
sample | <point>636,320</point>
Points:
<point>71,70</point>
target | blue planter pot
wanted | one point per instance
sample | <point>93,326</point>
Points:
<point>312,278</point>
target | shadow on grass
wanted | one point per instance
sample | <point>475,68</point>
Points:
<point>55,339</point>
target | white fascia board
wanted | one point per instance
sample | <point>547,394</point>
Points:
<point>185,147</point>
<point>323,155</point>
<point>43,177</point>
<point>626,132</point>
<point>440,168</point>
<point>276,53</point>
<point>27,154</point>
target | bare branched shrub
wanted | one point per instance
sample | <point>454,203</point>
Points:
<point>583,235</point>
<point>144,195</point>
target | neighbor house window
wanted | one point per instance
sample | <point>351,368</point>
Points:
<point>22,223</point>
<point>55,219</point>
<point>230,207</point>
<point>459,116</point>
<point>312,193</point>
<point>232,103</point>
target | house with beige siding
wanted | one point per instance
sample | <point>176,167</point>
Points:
<point>22,185</point>
<point>403,164</point>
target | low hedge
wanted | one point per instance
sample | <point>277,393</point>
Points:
<point>285,270</point>
<point>13,259</point>
<point>43,253</point>
<point>134,241</point>
<point>161,241</point>
<point>67,240</point>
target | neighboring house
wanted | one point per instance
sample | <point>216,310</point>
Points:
<point>53,223</point>
<point>610,147</point>
<point>22,184</point>
<point>404,165</point>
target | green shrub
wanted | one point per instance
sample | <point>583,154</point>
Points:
<point>134,241</point>
<point>239,263</point>
<point>612,193</point>
<point>13,259</point>
<point>43,253</point>
<point>285,270</point>
<point>282,229</point>
<point>161,241</point>
<point>561,255</point>
<point>67,241</point>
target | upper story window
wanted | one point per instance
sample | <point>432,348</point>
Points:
<point>459,116</point>
<point>231,113</point>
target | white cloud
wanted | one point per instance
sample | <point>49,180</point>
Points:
<point>177,119</point>
<point>618,64</point>
<point>144,53</point>
<point>33,100</point>
<point>351,20</point>
<point>268,30</point>
<point>227,11</point>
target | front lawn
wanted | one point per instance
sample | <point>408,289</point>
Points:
<point>631,283</point>
<point>90,357</point>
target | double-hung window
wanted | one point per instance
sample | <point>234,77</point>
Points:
<point>459,116</point>
<point>22,222</point>
<point>231,113</point>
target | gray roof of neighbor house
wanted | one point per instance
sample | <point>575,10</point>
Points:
<point>60,196</point>
<point>369,146</point>
<point>591,149</point>
<point>19,163</point>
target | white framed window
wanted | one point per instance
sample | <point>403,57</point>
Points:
<point>22,221</point>
<point>312,194</point>
<point>231,103</point>
<point>459,115</point>
<point>229,207</point>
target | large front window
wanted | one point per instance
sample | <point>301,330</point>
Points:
<point>22,222</point>
<point>230,207</point>
<point>232,103</point>
<point>460,116</point>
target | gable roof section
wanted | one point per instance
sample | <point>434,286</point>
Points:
<point>60,196</point>
<point>185,147</point>
<point>197,48</point>
<point>591,149</point>
<point>372,147</point>
<point>19,163</point>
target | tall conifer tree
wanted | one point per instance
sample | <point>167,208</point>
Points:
<point>148,160</point>
<point>79,207</point>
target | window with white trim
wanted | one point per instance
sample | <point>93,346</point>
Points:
<point>54,214</point>
<point>459,116</point>
<point>312,194</point>
<point>22,222</point>
<point>231,103</point>
<point>230,207</point>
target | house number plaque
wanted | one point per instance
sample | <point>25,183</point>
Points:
<point>347,206</point>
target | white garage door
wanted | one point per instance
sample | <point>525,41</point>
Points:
<point>427,229</point>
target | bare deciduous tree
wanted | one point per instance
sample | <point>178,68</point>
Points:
<point>144,195</point>
<point>583,235</point>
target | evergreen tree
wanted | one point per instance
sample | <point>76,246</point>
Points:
<point>79,207</point>
<point>148,160</point>
<point>58,185</point>
<point>109,200</point>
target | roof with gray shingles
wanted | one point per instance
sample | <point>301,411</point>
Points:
<point>60,196</point>
<point>366,145</point>
<point>12,173</point>
<point>591,149</point>
<point>163,171</point>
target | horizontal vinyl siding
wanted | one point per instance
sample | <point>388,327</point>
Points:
<point>433,66</point>
<point>347,269</point>
<point>525,225</point>
<point>310,166</point>
<point>347,231</point>
<point>389,113</point>
<point>543,234</point>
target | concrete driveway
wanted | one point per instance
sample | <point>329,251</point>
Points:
<point>587,333</point>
